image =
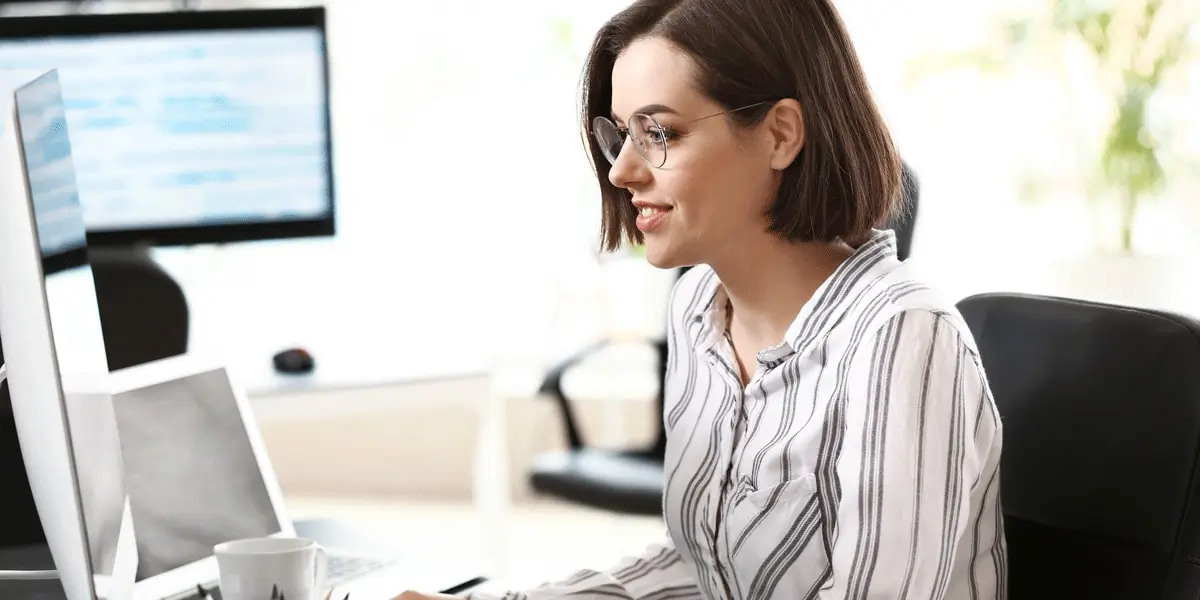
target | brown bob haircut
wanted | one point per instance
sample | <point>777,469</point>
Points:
<point>845,181</point>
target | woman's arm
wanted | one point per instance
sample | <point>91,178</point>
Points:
<point>921,440</point>
<point>658,573</point>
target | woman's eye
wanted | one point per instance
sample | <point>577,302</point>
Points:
<point>664,133</point>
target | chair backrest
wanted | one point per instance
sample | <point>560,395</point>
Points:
<point>143,311</point>
<point>1101,412</point>
<point>905,222</point>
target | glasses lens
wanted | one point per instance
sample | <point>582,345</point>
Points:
<point>648,139</point>
<point>608,137</point>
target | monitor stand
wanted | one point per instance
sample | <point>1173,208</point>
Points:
<point>144,311</point>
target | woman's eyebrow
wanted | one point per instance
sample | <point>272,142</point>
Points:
<point>650,110</point>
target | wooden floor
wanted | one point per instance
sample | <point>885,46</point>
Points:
<point>545,540</point>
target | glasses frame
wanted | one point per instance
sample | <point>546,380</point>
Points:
<point>659,139</point>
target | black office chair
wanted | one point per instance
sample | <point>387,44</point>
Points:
<point>144,313</point>
<point>1099,471</point>
<point>631,481</point>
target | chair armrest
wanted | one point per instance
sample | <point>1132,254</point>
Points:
<point>552,387</point>
<point>552,382</point>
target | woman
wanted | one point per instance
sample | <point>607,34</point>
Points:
<point>831,433</point>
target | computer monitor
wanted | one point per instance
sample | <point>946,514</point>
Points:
<point>191,127</point>
<point>57,382</point>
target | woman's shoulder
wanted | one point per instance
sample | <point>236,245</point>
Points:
<point>904,292</point>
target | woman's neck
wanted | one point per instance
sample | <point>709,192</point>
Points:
<point>769,283</point>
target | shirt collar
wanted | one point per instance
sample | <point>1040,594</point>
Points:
<point>821,313</point>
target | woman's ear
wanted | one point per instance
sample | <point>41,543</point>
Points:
<point>785,126</point>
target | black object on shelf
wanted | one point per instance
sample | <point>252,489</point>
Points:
<point>294,361</point>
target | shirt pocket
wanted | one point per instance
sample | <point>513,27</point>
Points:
<point>760,519</point>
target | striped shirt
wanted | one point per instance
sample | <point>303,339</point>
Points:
<point>861,461</point>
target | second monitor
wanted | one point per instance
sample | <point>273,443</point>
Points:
<point>190,127</point>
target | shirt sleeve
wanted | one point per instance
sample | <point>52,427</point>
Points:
<point>659,573</point>
<point>919,434</point>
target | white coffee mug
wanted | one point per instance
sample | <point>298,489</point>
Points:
<point>292,568</point>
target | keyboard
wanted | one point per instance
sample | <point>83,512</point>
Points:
<point>344,568</point>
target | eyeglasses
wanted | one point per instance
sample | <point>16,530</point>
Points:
<point>649,137</point>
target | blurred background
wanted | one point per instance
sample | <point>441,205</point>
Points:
<point>1056,142</point>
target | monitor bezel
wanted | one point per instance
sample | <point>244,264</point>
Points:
<point>49,507</point>
<point>99,24</point>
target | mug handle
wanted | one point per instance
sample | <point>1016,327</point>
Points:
<point>321,572</point>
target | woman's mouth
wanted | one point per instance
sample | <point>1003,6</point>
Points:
<point>651,218</point>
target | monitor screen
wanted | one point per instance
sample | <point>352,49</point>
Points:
<point>181,134</point>
<point>46,151</point>
<point>74,312</point>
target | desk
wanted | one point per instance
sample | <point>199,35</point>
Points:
<point>413,558</point>
<point>489,488</point>
<point>329,533</point>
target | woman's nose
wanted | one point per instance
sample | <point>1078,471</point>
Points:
<point>629,169</point>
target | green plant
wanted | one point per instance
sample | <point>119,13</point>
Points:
<point>563,34</point>
<point>1132,46</point>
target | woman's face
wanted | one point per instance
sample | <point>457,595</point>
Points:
<point>717,181</point>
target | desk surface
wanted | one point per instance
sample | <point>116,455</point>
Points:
<point>440,572</point>
<point>429,572</point>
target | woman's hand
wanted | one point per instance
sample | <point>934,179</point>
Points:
<point>411,595</point>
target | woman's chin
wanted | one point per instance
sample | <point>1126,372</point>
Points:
<point>662,257</point>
